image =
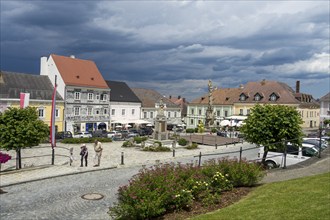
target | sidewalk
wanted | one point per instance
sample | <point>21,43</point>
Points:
<point>112,157</point>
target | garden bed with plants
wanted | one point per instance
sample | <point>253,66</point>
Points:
<point>173,190</point>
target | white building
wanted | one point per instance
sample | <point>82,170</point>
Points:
<point>85,92</point>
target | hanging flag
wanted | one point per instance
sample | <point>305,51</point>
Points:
<point>24,99</point>
<point>52,120</point>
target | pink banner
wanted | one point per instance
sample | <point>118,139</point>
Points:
<point>24,99</point>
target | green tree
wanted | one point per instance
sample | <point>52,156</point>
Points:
<point>271,125</point>
<point>21,128</point>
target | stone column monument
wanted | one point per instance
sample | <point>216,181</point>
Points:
<point>160,132</point>
<point>210,117</point>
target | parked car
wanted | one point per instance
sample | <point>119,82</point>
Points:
<point>222,133</point>
<point>147,131</point>
<point>133,133</point>
<point>115,135</point>
<point>316,142</point>
<point>275,158</point>
<point>84,134</point>
<point>100,133</point>
<point>63,134</point>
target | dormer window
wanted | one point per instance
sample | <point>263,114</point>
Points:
<point>242,97</point>
<point>257,97</point>
<point>273,97</point>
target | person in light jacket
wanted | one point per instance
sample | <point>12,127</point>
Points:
<point>98,152</point>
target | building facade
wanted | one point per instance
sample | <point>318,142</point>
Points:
<point>86,94</point>
<point>125,106</point>
<point>40,89</point>
<point>150,104</point>
<point>325,107</point>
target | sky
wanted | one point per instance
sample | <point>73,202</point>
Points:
<point>175,47</point>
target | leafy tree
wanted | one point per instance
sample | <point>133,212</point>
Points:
<point>271,125</point>
<point>21,128</point>
<point>326,122</point>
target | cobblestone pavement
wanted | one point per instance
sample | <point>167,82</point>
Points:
<point>57,194</point>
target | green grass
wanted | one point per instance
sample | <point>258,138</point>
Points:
<point>303,198</point>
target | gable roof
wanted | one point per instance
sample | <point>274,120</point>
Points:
<point>39,87</point>
<point>150,97</point>
<point>121,92</point>
<point>325,98</point>
<point>222,96</point>
<point>286,95</point>
<point>77,72</point>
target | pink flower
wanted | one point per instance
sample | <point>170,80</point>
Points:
<point>4,157</point>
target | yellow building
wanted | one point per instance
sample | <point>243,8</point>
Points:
<point>278,93</point>
<point>40,90</point>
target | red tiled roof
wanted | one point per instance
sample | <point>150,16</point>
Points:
<point>77,72</point>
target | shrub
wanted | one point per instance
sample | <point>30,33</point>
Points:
<point>169,187</point>
<point>128,144</point>
<point>214,130</point>
<point>84,140</point>
<point>192,146</point>
<point>139,139</point>
<point>182,142</point>
<point>196,130</point>
<point>190,130</point>
<point>241,173</point>
<point>156,148</point>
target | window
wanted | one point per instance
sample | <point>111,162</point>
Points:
<point>76,111</point>
<point>200,111</point>
<point>97,111</point>
<point>90,96</point>
<point>113,111</point>
<point>257,97</point>
<point>242,97</point>
<point>133,111</point>
<point>151,115</point>
<point>175,114</point>
<point>97,97</point>
<point>77,95</point>
<point>218,113</point>
<point>168,114</point>
<point>292,150</point>
<point>302,113</point>
<point>123,112</point>
<point>104,97</point>
<point>41,112</point>
<point>192,111</point>
<point>248,112</point>
<point>89,111</point>
<point>191,121</point>
<point>144,114</point>
<point>273,97</point>
<point>105,111</point>
<point>226,113</point>
<point>57,113</point>
<point>241,112</point>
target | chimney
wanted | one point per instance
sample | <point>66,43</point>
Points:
<point>179,97</point>
<point>298,86</point>
<point>43,66</point>
<point>170,97</point>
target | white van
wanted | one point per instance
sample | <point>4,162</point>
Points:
<point>294,155</point>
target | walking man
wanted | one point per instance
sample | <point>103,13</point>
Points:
<point>98,152</point>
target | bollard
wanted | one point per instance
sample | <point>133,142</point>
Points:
<point>240,154</point>
<point>173,152</point>
<point>200,159</point>
<point>216,146</point>
<point>122,158</point>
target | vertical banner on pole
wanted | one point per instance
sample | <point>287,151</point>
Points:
<point>24,99</point>
<point>52,120</point>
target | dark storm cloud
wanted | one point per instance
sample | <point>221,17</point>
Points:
<point>165,44</point>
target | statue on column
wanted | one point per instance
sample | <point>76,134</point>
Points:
<point>210,117</point>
